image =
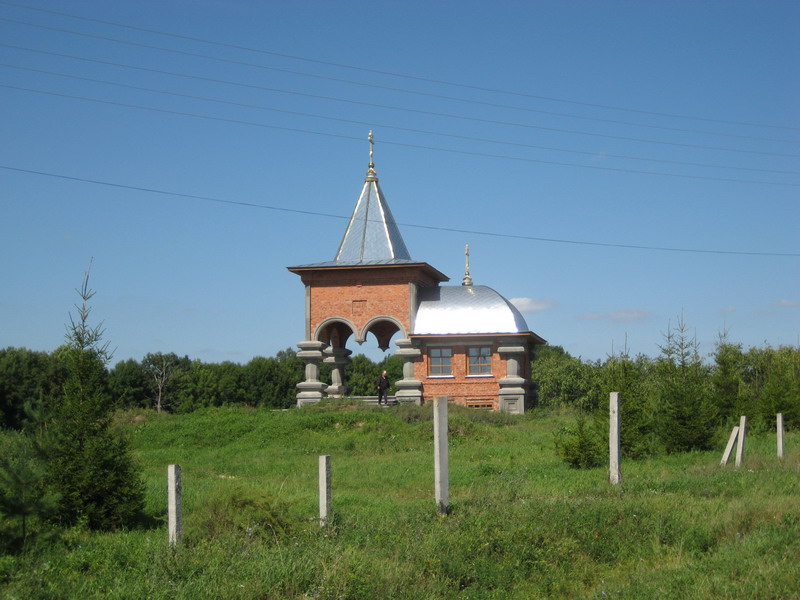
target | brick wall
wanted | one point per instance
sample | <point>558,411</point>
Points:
<point>461,387</point>
<point>363,293</point>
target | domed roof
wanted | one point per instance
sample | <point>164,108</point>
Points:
<point>465,309</point>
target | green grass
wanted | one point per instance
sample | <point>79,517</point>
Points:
<point>522,525</point>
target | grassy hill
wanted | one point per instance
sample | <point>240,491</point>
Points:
<point>523,524</point>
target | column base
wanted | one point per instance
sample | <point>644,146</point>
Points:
<point>337,391</point>
<point>311,390</point>
<point>512,395</point>
<point>408,396</point>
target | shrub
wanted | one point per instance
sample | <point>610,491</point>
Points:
<point>580,446</point>
<point>24,500</point>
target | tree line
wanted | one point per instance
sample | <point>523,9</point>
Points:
<point>166,381</point>
<point>758,382</point>
<point>674,402</point>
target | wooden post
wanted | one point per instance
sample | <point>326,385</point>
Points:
<point>440,458</point>
<point>613,438</point>
<point>740,447</point>
<point>780,435</point>
<point>731,441</point>
<point>174,505</point>
<point>324,490</point>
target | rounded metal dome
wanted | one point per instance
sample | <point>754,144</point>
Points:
<point>457,309</point>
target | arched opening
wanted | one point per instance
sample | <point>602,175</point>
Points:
<point>373,354</point>
<point>334,370</point>
<point>335,332</point>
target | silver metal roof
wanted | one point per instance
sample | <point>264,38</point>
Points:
<point>462,309</point>
<point>363,263</point>
<point>372,236</point>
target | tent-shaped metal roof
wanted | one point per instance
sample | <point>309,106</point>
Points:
<point>372,236</point>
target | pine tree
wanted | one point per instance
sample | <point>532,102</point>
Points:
<point>89,465</point>
<point>629,377</point>
<point>781,390</point>
<point>24,499</point>
<point>727,381</point>
<point>687,415</point>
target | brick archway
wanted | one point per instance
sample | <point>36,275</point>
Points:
<point>383,328</point>
<point>335,331</point>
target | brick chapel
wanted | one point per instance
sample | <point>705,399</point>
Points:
<point>464,341</point>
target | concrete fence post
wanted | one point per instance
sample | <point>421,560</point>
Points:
<point>324,490</point>
<point>731,441</point>
<point>740,446</point>
<point>613,439</point>
<point>174,505</point>
<point>440,458</point>
<point>780,435</point>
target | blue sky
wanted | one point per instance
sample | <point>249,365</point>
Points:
<point>612,165</point>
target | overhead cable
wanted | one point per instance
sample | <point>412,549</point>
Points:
<point>396,127</point>
<point>404,145</point>
<point>439,114</point>
<point>415,225</point>
<point>402,75</point>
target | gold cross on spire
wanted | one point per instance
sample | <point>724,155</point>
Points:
<point>467,279</point>
<point>371,147</point>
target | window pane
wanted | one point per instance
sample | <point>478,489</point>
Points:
<point>441,361</point>
<point>480,360</point>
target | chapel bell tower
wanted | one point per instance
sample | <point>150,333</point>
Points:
<point>371,286</point>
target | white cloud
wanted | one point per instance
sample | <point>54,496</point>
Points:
<point>728,309</point>
<point>628,316</point>
<point>624,315</point>
<point>785,302</point>
<point>531,305</point>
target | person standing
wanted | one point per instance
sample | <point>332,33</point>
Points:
<point>383,389</point>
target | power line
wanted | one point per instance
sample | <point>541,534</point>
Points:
<point>400,75</point>
<point>419,111</point>
<point>372,85</point>
<point>415,225</point>
<point>415,146</point>
<point>395,127</point>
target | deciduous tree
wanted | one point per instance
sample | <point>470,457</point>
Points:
<point>161,366</point>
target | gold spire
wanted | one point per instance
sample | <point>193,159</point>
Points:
<point>371,175</point>
<point>467,279</point>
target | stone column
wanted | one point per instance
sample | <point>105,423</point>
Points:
<point>312,389</point>
<point>731,441</point>
<point>513,388</point>
<point>409,389</point>
<point>742,435</point>
<point>613,438</point>
<point>779,429</point>
<point>338,359</point>
<point>324,490</point>
<point>174,505</point>
<point>441,467</point>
